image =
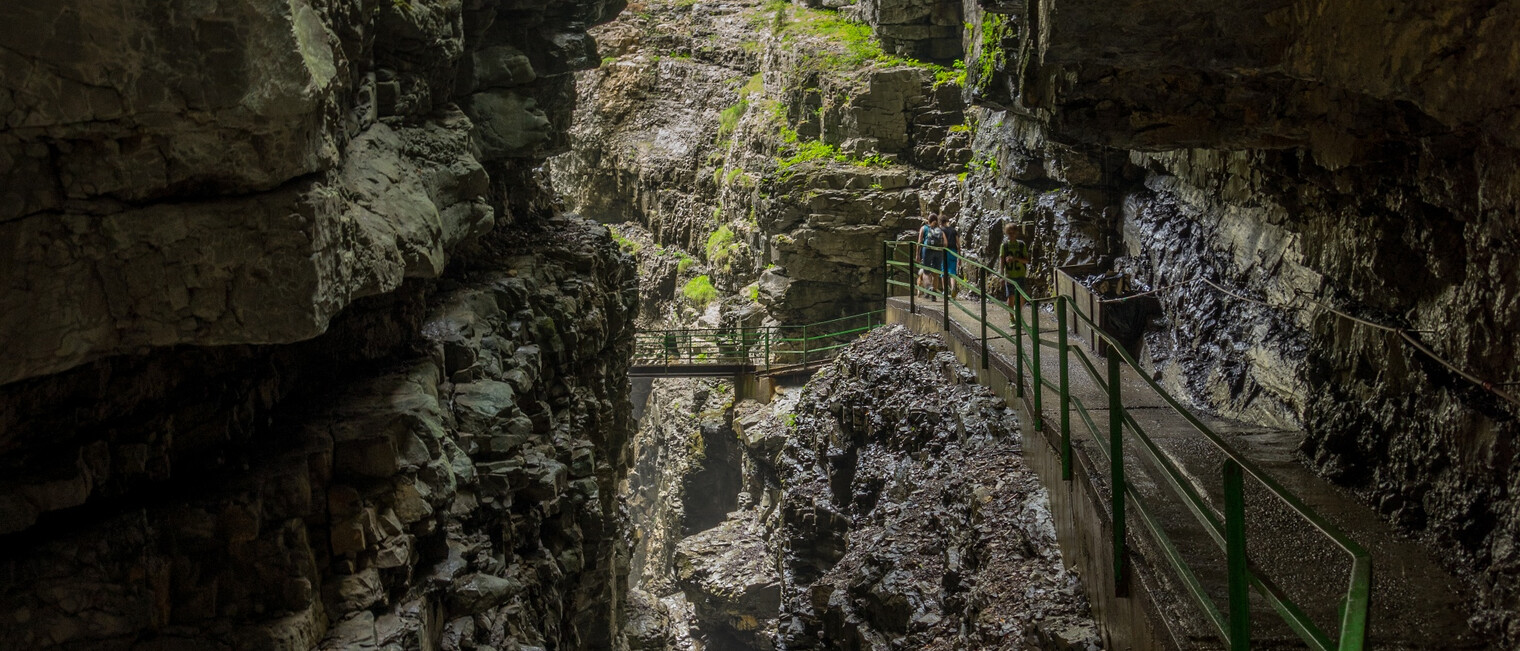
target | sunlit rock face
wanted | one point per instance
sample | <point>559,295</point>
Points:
<point>691,129</point>
<point>296,352</point>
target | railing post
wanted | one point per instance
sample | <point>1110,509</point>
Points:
<point>944,290</point>
<point>1034,361</point>
<point>913,278</point>
<point>1064,356</point>
<point>1235,555</point>
<point>886,272</point>
<point>981,287</point>
<point>768,332</point>
<point>805,345</point>
<point>1018,349</point>
<point>1116,471</point>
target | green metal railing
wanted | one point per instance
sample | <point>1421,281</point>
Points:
<point>765,347</point>
<point>1228,530</point>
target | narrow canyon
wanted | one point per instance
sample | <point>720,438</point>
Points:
<point>379,324</point>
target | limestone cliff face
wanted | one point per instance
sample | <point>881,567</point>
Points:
<point>1265,164</point>
<point>297,352</point>
<point>775,145</point>
<point>239,172</point>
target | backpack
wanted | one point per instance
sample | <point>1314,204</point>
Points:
<point>934,236</point>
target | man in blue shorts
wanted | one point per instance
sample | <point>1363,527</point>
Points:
<point>953,257</point>
<point>930,239</point>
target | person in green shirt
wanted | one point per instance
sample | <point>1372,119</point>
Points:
<point>1014,257</point>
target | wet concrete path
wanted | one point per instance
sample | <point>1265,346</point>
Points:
<point>1415,603</point>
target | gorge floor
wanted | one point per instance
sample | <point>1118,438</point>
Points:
<point>883,505</point>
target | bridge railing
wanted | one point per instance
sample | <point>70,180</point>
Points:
<point>1227,528</point>
<point>763,347</point>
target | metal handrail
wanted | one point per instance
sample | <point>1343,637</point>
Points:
<point>1228,531</point>
<point>760,347</point>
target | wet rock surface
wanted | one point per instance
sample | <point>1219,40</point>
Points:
<point>729,574</point>
<point>1258,219</point>
<point>686,475</point>
<point>298,353</point>
<point>156,195</point>
<point>459,491</point>
<point>908,517</point>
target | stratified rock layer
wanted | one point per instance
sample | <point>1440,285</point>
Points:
<point>1286,174</point>
<point>238,173</point>
<point>764,143</point>
<point>296,353</point>
<point>465,482</point>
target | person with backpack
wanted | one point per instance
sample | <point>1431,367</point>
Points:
<point>670,347</point>
<point>931,259</point>
<point>1014,257</point>
<point>952,257</point>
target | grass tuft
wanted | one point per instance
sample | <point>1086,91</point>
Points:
<point>700,291</point>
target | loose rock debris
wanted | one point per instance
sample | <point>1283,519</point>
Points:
<point>909,520</point>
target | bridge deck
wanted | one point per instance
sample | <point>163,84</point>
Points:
<point>690,370</point>
<point>1415,603</point>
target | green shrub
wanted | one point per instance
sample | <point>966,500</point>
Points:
<point>700,291</point>
<point>754,293</point>
<point>990,163</point>
<point>808,151</point>
<point>952,75</point>
<point>818,150</point>
<point>719,245</point>
<point>685,263</point>
<point>623,242</point>
<point>990,55</point>
<point>728,119</point>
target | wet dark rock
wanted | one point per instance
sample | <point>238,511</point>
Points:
<point>686,474</point>
<point>375,512</point>
<point>1148,152</point>
<point>650,625</point>
<point>729,575</point>
<point>933,534</point>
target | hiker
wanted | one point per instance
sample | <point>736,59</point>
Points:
<point>670,347</point>
<point>952,259</point>
<point>933,260</point>
<point>1014,256</point>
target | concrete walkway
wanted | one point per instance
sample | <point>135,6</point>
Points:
<point>1415,603</point>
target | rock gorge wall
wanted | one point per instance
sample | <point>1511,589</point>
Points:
<point>297,352</point>
<point>883,504</point>
<point>1265,164</point>
<point>775,145</point>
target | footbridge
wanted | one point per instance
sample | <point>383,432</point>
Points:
<point>763,351</point>
<point>1190,531</point>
